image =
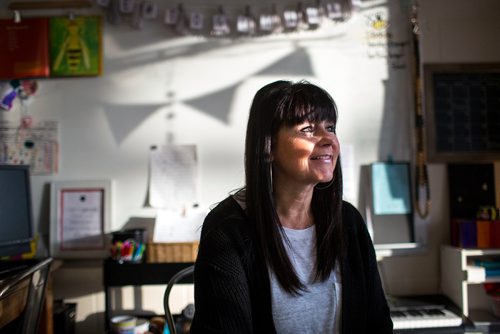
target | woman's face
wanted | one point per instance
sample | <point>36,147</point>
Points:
<point>305,154</point>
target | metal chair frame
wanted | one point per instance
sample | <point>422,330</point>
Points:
<point>176,278</point>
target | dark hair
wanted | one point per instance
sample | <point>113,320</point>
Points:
<point>283,103</point>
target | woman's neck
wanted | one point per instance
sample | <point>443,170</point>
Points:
<point>294,208</point>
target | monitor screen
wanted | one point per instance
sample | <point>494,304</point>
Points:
<point>16,220</point>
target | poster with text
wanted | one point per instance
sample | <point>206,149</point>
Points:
<point>24,48</point>
<point>75,46</point>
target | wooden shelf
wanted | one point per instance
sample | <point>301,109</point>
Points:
<point>30,5</point>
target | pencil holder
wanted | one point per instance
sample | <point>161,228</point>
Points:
<point>128,245</point>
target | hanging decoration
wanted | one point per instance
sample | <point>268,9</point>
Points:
<point>216,22</point>
<point>22,89</point>
<point>422,188</point>
<point>245,24</point>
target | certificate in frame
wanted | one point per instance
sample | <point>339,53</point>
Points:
<point>80,219</point>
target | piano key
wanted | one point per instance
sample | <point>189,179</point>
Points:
<point>424,318</point>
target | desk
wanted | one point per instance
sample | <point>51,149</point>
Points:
<point>136,274</point>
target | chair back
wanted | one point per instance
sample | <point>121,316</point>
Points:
<point>176,278</point>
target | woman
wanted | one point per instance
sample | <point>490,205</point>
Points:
<point>285,254</point>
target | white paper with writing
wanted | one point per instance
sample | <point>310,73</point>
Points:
<point>82,219</point>
<point>174,177</point>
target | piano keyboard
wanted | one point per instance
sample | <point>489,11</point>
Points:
<point>424,317</point>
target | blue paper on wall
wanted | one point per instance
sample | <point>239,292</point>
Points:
<point>391,188</point>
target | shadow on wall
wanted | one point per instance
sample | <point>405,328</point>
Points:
<point>395,133</point>
<point>123,119</point>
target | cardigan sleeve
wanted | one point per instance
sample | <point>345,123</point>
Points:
<point>379,316</point>
<point>222,297</point>
<point>366,305</point>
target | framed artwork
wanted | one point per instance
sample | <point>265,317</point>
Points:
<point>24,48</point>
<point>75,46</point>
<point>80,219</point>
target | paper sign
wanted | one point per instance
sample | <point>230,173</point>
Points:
<point>175,226</point>
<point>391,188</point>
<point>82,219</point>
<point>174,176</point>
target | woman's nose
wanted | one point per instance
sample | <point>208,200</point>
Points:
<point>326,140</point>
<point>324,134</point>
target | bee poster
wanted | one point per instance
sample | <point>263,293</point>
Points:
<point>75,46</point>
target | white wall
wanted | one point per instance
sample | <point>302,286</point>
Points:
<point>158,88</point>
<point>451,32</point>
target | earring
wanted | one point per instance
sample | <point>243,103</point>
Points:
<point>271,177</point>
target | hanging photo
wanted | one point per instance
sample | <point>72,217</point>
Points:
<point>103,3</point>
<point>196,21</point>
<point>312,15</point>
<point>127,6</point>
<point>356,4</point>
<point>75,46</point>
<point>171,16</point>
<point>149,10</point>
<point>220,25</point>
<point>245,25</point>
<point>291,19</point>
<point>266,23</point>
<point>334,11</point>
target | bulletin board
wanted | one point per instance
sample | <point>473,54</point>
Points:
<point>462,112</point>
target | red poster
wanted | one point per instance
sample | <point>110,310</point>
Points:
<point>24,48</point>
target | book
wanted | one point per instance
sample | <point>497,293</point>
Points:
<point>483,233</point>
<point>484,268</point>
<point>487,263</point>
<point>475,274</point>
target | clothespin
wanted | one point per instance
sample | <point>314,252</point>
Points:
<point>17,16</point>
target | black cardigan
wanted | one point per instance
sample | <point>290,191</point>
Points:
<point>232,289</point>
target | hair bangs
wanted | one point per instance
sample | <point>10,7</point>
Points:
<point>307,103</point>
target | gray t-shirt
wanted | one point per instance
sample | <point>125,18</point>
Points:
<point>316,310</point>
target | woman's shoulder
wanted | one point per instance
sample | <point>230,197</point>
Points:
<point>352,219</point>
<point>225,236</point>
<point>226,215</point>
<point>350,214</point>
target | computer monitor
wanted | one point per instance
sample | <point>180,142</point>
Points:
<point>16,217</point>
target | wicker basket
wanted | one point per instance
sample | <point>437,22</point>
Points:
<point>171,252</point>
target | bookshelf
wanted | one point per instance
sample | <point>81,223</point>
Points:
<point>464,287</point>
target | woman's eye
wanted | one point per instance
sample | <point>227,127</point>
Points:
<point>330,128</point>
<point>306,129</point>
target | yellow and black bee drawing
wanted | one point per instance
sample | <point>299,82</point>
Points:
<point>74,51</point>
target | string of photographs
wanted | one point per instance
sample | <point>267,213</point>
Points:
<point>217,22</point>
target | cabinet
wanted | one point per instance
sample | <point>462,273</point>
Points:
<point>136,274</point>
<point>463,287</point>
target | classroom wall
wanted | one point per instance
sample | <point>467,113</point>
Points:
<point>158,88</point>
<point>450,32</point>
